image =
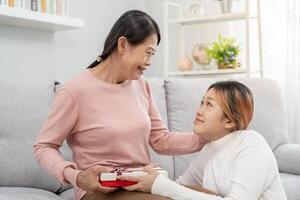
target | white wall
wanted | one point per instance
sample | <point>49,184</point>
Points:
<point>33,54</point>
<point>273,34</point>
<point>155,9</point>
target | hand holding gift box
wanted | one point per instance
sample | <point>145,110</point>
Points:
<point>112,179</point>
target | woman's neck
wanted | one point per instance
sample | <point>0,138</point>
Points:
<point>220,135</point>
<point>109,71</point>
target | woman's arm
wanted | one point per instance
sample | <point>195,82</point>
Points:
<point>61,121</point>
<point>165,142</point>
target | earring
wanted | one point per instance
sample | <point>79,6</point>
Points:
<point>99,59</point>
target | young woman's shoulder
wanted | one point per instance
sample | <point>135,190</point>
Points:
<point>252,136</point>
<point>254,141</point>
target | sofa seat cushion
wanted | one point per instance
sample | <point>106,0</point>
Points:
<point>291,184</point>
<point>24,193</point>
<point>68,194</point>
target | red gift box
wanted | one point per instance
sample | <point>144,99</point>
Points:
<point>110,179</point>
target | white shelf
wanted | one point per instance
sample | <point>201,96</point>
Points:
<point>36,20</point>
<point>244,16</point>
<point>210,19</point>
<point>208,72</point>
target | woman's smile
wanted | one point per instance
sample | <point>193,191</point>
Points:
<point>141,69</point>
<point>198,120</point>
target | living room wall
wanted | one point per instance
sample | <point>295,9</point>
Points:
<point>33,54</point>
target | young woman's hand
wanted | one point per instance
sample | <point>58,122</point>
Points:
<point>144,183</point>
<point>88,180</point>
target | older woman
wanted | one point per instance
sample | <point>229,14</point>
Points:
<point>108,116</point>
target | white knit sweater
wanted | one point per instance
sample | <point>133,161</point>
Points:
<point>239,166</point>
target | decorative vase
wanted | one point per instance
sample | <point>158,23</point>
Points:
<point>184,64</point>
<point>196,9</point>
<point>228,65</point>
<point>199,54</point>
<point>226,6</point>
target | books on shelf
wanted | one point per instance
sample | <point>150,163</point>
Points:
<point>55,7</point>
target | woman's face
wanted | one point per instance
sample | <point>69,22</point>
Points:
<point>137,58</point>
<point>210,122</point>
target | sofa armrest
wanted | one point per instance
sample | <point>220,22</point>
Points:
<point>288,158</point>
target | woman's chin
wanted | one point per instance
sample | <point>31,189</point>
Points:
<point>201,131</point>
<point>198,130</point>
<point>136,76</point>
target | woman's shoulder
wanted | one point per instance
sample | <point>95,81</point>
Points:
<point>255,147</point>
<point>142,85</point>
<point>251,135</point>
<point>74,84</point>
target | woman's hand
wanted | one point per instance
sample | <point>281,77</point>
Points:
<point>88,180</point>
<point>144,183</point>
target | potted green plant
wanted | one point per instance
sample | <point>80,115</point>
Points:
<point>225,52</point>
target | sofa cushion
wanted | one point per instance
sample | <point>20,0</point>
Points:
<point>24,107</point>
<point>23,193</point>
<point>159,94</point>
<point>68,194</point>
<point>166,162</point>
<point>158,89</point>
<point>19,168</point>
<point>291,184</point>
<point>288,158</point>
<point>269,111</point>
<point>183,99</point>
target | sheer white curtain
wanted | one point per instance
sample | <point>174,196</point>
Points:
<point>292,72</point>
<point>281,52</point>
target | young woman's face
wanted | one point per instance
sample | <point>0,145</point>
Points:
<point>137,58</point>
<point>210,121</point>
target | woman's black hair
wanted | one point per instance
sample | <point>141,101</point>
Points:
<point>135,25</point>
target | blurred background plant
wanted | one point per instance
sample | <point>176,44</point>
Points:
<point>225,52</point>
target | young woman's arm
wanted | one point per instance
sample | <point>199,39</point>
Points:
<point>201,189</point>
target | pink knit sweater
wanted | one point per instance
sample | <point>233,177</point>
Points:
<point>105,124</point>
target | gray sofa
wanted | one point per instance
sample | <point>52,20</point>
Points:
<point>24,107</point>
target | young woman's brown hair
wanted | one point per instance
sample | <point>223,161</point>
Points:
<point>236,101</point>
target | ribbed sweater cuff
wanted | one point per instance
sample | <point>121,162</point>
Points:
<point>70,175</point>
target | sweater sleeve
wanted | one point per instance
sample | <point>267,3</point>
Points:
<point>170,143</point>
<point>60,123</point>
<point>254,169</point>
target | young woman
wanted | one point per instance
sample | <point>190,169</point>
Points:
<point>236,164</point>
<point>108,116</point>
